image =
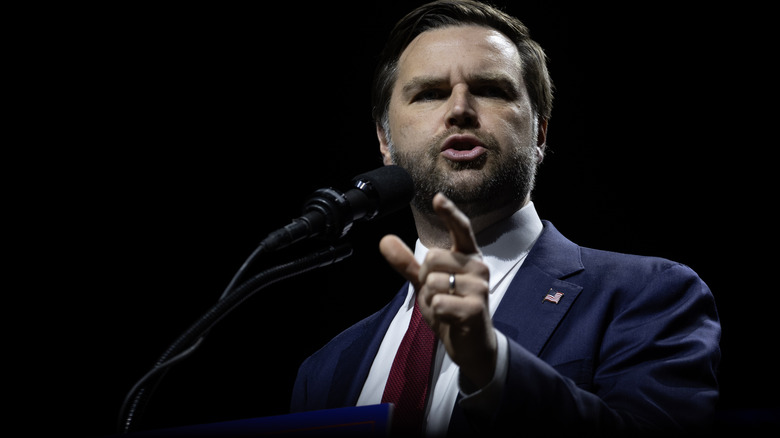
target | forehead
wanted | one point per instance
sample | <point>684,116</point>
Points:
<point>461,50</point>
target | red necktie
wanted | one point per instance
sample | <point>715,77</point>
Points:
<point>410,376</point>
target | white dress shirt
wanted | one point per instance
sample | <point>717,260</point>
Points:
<point>504,246</point>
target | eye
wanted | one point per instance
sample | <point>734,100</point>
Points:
<point>491,91</point>
<point>429,95</point>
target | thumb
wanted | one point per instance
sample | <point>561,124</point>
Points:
<point>401,258</point>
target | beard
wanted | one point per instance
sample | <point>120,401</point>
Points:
<point>493,180</point>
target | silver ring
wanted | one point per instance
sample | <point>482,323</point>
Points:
<point>452,283</point>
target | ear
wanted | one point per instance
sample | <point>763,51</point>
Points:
<point>541,139</point>
<point>383,145</point>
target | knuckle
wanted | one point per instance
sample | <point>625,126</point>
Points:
<point>434,254</point>
<point>479,268</point>
<point>480,287</point>
<point>485,288</point>
<point>433,281</point>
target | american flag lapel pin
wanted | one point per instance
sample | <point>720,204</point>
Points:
<point>553,296</point>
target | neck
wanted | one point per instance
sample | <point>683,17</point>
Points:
<point>433,233</point>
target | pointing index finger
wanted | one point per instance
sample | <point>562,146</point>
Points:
<point>401,258</point>
<point>461,234</point>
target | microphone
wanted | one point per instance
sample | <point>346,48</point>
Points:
<point>330,213</point>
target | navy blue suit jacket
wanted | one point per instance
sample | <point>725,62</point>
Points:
<point>631,345</point>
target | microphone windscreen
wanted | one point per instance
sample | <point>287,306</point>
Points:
<point>392,185</point>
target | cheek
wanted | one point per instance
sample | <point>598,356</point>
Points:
<point>518,129</point>
<point>406,131</point>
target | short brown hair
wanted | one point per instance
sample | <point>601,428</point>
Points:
<point>446,13</point>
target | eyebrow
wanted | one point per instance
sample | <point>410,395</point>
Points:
<point>422,83</point>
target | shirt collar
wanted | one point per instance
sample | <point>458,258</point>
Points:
<point>503,244</point>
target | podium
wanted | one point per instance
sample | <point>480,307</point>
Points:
<point>359,421</point>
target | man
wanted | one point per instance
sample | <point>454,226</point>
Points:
<point>531,333</point>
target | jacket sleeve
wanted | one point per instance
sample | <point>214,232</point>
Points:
<point>655,369</point>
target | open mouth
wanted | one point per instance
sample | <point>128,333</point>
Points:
<point>462,147</point>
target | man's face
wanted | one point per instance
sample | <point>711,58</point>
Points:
<point>460,120</point>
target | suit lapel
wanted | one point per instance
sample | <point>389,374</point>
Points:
<point>524,315</point>
<point>355,359</point>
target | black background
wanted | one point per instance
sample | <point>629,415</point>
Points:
<point>156,147</point>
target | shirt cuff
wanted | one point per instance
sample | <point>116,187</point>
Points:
<point>483,402</point>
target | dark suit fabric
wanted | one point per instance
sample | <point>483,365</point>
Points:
<point>631,346</point>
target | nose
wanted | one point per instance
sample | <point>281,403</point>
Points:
<point>461,112</point>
